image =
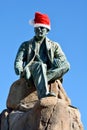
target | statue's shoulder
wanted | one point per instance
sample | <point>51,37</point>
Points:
<point>26,43</point>
<point>53,43</point>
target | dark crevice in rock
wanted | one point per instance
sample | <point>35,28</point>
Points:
<point>48,123</point>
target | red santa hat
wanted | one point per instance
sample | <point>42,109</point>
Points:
<point>41,20</point>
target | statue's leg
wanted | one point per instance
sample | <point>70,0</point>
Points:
<point>38,72</point>
<point>55,73</point>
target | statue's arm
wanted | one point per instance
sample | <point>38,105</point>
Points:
<point>60,60</point>
<point>20,59</point>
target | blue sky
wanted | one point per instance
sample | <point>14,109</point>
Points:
<point>69,28</point>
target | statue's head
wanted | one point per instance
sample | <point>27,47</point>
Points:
<point>40,31</point>
<point>41,23</point>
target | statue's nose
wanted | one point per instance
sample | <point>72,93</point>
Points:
<point>39,29</point>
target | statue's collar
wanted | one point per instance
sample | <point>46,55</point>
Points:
<point>46,41</point>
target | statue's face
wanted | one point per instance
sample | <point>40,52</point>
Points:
<point>40,32</point>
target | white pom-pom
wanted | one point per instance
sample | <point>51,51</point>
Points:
<point>31,22</point>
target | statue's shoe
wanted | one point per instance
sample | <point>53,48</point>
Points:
<point>51,94</point>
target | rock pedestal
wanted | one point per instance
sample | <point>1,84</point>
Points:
<point>25,112</point>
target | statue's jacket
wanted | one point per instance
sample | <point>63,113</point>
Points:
<point>55,54</point>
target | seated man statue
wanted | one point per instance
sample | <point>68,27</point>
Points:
<point>39,59</point>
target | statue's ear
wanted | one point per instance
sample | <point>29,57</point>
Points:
<point>47,30</point>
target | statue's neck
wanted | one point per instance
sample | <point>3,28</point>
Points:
<point>39,39</point>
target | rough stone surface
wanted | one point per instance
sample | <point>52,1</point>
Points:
<point>26,96</point>
<point>25,112</point>
<point>47,114</point>
<point>22,93</point>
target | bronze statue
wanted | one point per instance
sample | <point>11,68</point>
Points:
<point>40,59</point>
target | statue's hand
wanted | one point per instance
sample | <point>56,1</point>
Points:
<point>19,71</point>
